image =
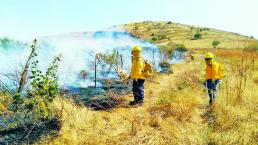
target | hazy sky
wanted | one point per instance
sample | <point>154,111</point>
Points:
<point>29,18</point>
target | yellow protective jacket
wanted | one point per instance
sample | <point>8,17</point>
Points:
<point>137,68</point>
<point>214,71</point>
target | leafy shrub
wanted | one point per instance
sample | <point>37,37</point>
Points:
<point>197,35</point>
<point>109,62</point>
<point>215,43</point>
<point>204,29</point>
<point>164,64</point>
<point>163,36</point>
<point>181,47</point>
<point>154,38</point>
<point>166,49</point>
<point>43,88</point>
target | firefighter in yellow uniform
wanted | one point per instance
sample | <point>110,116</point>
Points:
<point>137,76</point>
<point>214,73</point>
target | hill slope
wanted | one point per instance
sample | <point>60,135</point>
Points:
<point>170,32</point>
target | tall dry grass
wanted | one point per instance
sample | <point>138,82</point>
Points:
<point>5,101</point>
<point>169,116</point>
<point>236,110</point>
<point>175,110</point>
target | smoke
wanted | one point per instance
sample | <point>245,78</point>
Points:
<point>178,56</point>
<point>78,51</point>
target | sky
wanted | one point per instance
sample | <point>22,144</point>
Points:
<point>32,18</point>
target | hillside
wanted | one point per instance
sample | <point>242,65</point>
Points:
<point>171,32</point>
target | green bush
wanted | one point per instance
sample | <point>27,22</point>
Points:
<point>215,43</point>
<point>181,47</point>
<point>163,36</point>
<point>166,49</point>
<point>204,29</point>
<point>109,62</point>
<point>154,38</point>
<point>197,35</point>
<point>164,64</point>
<point>43,88</point>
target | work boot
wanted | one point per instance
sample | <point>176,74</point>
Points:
<point>140,102</point>
<point>132,103</point>
<point>210,104</point>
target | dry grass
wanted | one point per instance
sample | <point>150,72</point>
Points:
<point>167,117</point>
<point>172,115</point>
<point>5,101</point>
<point>175,109</point>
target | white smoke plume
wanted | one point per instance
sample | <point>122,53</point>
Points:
<point>78,50</point>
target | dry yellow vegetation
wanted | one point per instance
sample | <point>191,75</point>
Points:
<point>175,109</point>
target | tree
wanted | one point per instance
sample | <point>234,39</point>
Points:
<point>197,35</point>
<point>215,43</point>
<point>26,67</point>
<point>109,62</point>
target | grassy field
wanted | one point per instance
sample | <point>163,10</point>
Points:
<point>175,109</point>
<point>170,32</point>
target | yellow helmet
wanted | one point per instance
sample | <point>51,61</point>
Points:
<point>209,55</point>
<point>136,48</point>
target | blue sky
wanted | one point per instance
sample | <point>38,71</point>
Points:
<point>31,18</point>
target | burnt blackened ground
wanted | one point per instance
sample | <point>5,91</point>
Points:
<point>18,129</point>
<point>110,95</point>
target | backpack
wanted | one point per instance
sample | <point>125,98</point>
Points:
<point>221,71</point>
<point>148,69</point>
